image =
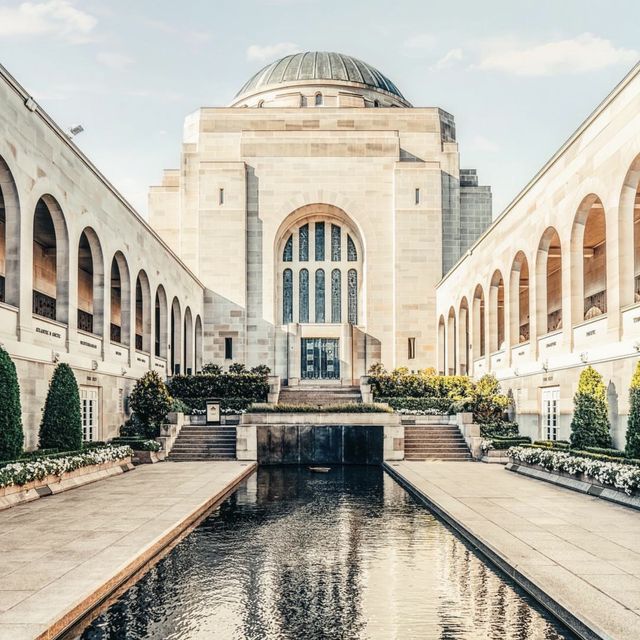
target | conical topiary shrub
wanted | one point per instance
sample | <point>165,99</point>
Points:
<point>61,426</point>
<point>590,423</point>
<point>11,435</point>
<point>633,424</point>
<point>150,402</point>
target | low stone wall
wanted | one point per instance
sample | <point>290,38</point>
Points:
<point>576,482</point>
<point>49,485</point>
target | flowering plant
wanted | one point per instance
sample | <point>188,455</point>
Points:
<point>421,412</point>
<point>20,473</point>
<point>619,475</point>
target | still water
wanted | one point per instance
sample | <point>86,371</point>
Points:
<point>344,555</point>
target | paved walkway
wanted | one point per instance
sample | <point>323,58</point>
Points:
<point>56,552</point>
<point>582,551</point>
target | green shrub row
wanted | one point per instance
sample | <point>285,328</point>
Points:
<point>500,429</point>
<point>137,443</point>
<point>242,385</point>
<point>506,443</point>
<point>442,405</point>
<point>326,408</point>
<point>199,405</point>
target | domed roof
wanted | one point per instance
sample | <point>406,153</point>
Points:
<point>319,65</point>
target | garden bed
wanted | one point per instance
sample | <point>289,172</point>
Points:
<point>26,481</point>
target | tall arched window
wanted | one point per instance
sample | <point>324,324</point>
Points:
<point>336,296</point>
<point>320,295</point>
<point>318,99</point>
<point>320,280</point>
<point>287,296</point>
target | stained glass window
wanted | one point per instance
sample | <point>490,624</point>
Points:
<point>287,296</point>
<point>319,241</point>
<point>303,242</point>
<point>320,295</point>
<point>336,243</point>
<point>352,254</point>
<point>303,303</point>
<point>287,254</point>
<point>336,296</point>
<point>352,284</point>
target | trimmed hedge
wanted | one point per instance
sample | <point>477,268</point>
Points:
<point>416,385</point>
<point>226,404</point>
<point>506,443</point>
<point>241,385</point>
<point>326,408</point>
<point>499,430</point>
<point>11,435</point>
<point>418,404</point>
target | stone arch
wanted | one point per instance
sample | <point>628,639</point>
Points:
<point>589,260</point>
<point>629,235</point>
<point>143,312</point>
<point>198,344</point>
<point>519,303</point>
<point>120,300</point>
<point>496,313</point>
<point>160,333</point>
<point>50,261</point>
<point>450,351</point>
<point>188,342</point>
<point>91,283</point>
<point>549,282</point>
<point>479,333</point>
<point>9,237</point>
<point>176,337</point>
<point>463,337</point>
<point>441,345</point>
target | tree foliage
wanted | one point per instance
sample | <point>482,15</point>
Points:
<point>150,402</point>
<point>633,424</point>
<point>590,424</point>
<point>11,435</point>
<point>61,426</point>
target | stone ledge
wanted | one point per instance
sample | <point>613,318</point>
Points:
<point>52,484</point>
<point>575,483</point>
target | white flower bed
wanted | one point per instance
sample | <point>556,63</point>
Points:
<point>21,473</point>
<point>421,412</point>
<point>621,476</point>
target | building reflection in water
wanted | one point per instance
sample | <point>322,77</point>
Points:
<point>297,555</point>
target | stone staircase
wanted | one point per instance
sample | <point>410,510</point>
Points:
<point>202,442</point>
<point>319,395</point>
<point>435,442</point>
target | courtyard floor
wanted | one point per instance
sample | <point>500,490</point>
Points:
<point>582,551</point>
<point>58,552</point>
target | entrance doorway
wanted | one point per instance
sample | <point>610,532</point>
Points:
<point>90,413</point>
<point>550,411</point>
<point>320,359</point>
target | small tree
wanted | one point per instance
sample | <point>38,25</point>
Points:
<point>237,368</point>
<point>151,402</point>
<point>633,424</point>
<point>590,423</point>
<point>61,426</point>
<point>11,435</point>
<point>211,369</point>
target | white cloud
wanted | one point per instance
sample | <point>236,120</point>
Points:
<point>114,60</point>
<point>269,52</point>
<point>54,17</point>
<point>583,53</point>
<point>449,59</point>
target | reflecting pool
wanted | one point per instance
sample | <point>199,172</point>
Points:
<point>298,555</point>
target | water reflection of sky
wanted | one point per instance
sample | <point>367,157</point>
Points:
<point>343,555</point>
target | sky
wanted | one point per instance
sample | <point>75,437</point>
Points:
<point>518,75</point>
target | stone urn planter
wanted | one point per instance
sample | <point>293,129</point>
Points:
<point>148,457</point>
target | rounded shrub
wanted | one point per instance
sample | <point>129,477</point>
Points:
<point>633,424</point>
<point>150,402</point>
<point>11,435</point>
<point>61,426</point>
<point>590,423</point>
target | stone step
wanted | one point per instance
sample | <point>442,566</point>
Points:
<point>435,447</point>
<point>206,436</point>
<point>443,458</point>
<point>198,458</point>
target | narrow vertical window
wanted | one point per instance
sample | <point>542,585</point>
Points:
<point>318,99</point>
<point>336,296</point>
<point>303,101</point>
<point>303,243</point>
<point>221,196</point>
<point>319,241</point>
<point>287,296</point>
<point>417,195</point>
<point>228,348</point>
<point>352,254</point>
<point>303,312</point>
<point>287,253</point>
<point>336,243</point>
<point>352,294</point>
<point>320,295</point>
<point>412,349</point>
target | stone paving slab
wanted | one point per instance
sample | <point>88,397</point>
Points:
<point>58,554</point>
<point>582,552</point>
